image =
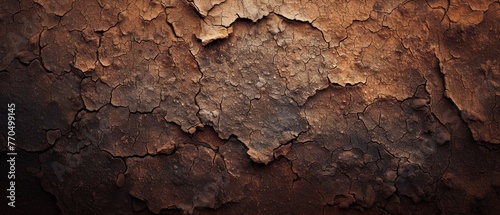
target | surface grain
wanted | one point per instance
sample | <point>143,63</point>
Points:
<point>253,107</point>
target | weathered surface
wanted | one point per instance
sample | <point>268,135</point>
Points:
<point>472,72</point>
<point>252,107</point>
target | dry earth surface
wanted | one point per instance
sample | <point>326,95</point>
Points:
<point>252,106</point>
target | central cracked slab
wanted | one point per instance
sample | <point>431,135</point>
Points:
<point>253,88</point>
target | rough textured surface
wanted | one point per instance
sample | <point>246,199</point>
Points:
<point>252,107</point>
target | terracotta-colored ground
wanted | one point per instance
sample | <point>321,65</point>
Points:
<point>251,107</point>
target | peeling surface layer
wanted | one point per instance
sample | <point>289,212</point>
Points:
<point>252,107</point>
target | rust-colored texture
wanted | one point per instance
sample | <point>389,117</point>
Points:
<point>251,106</point>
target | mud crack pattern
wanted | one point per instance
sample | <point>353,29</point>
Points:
<point>253,107</point>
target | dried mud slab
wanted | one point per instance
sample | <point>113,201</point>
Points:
<point>252,107</point>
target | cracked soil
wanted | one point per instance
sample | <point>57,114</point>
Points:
<point>252,107</point>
